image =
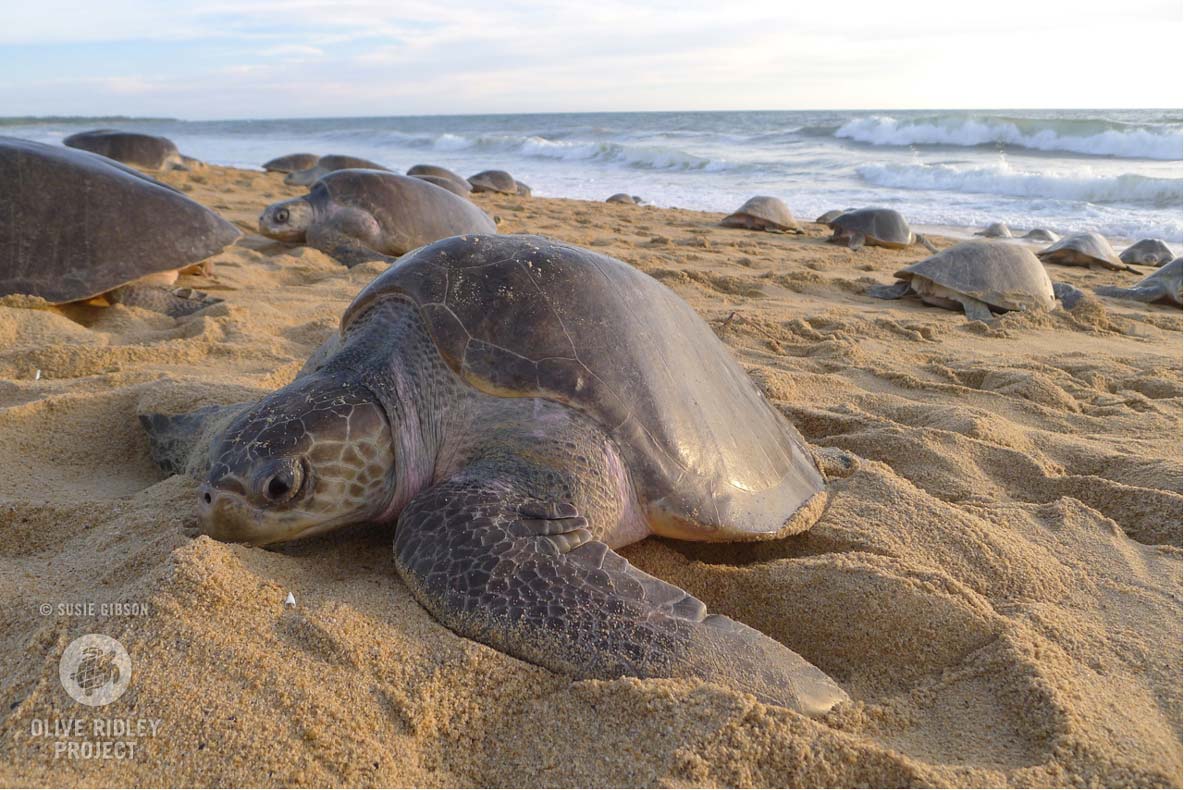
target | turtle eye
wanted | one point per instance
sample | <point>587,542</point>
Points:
<point>281,483</point>
<point>281,215</point>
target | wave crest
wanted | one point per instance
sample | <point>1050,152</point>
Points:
<point>1070,136</point>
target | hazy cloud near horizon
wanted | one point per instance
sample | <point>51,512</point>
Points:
<point>286,58</point>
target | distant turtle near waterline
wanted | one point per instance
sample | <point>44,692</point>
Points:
<point>363,215</point>
<point>494,181</point>
<point>996,230</point>
<point>435,171</point>
<point>621,197</point>
<point>976,277</point>
<point>145,151</point>
<point>515,409</point>
<point>830,216</point>
<point>875,227</point>
<point>522,190</point>
<point>291,163</point>
<point>330,164</point>
<point>1163,285</point>
<point>1041,234</point>
<point>763,212</point>
<point>1147,252</point>
<point>1084,249</point>
<point>447,183</point>
<point>75,226</point>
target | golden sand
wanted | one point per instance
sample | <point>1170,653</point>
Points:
<point>997,580</point>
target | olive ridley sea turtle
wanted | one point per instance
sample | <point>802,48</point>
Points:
<point>876,227</point>
<point>763,212</point>
<point>1162,285</point>
<point>518,408</point>
<point>291,163</point>
<point>1147,252</point>
<point>1041,234</point>
<point>146,151</point>
<point>996,230</point>
<point>434,171</point>
<point>354,214</point>
<point>330,164</point>
<point>1084,249</point>
<point>494,181</point>
<point>75,226</point>
<point>976,277</point>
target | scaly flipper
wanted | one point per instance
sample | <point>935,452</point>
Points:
<point>856,240</point>
<point>1069,295</point>
<point>894,291</point>
<point>179,443</point>
<point>976,310</point>
<point>173,302</point>
<point>926,243</point>
<point>1145,293</point>
<point>526,577</point>
<point>350,236</point>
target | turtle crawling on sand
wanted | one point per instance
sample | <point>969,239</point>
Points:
<point>976,277</point>
<point>76,226</point>
<point>876,227</point>
<point>518,408</point>
<point>1163,285</point>
<point>494,181</point>
<point>291,163</point>
<point>1084,249</point>
<point>1147,252</point>
<point>330,164</point>
<point>438,175</point>
<point>763,212</point>
<point>1041,234</point>
<point>996,230</point>
<point>147,151</point>
<point>362,215</point>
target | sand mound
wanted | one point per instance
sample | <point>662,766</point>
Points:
<point>997,582</point>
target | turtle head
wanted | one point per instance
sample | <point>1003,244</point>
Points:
<point>286,221</point>
<point>311,457</point>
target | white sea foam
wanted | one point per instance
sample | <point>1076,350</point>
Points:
<point>1072,137</point>
<point>1078,185</point>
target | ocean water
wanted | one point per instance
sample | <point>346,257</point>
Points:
<point>1118,172</point>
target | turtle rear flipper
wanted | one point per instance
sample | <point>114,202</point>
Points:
<point>894,291</point>
<point>1140,294</point>
<point>179,443</point>
<point>526,578</point>
<point>173,302</point>
<point>1069,295</point>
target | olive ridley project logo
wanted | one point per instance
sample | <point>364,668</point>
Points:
<point>95,670</point>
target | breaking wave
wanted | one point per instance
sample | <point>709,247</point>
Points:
<point>1078,136</point>
<point>1001,179</point>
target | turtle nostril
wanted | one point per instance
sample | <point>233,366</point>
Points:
<point>206,496</point>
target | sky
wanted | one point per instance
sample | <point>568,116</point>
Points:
<point>296,58</point>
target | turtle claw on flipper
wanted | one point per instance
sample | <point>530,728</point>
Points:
<point>556,598</point>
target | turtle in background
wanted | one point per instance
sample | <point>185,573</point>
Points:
<point>763,212</point>
<point>1163,286</point>
<point>517,409</point>
<point>1041,234</point>
<point>363,215</point>
<point>829,216</point>
<point>75,226</point>
<point>623,198</point>
<point>146,151</point>
<point>996,230</point>
<point>522,190</point>
<point>330,164</point>
<point>461,190</point>
<point>494,181</point>
<point>291,163</point>
<point>875,227</point>
<point>1084,249</point>
<point>434,173</point>
<point>1147,252</point>
<point>977,277</point>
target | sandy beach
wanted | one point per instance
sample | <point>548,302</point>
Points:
<point>996,583</point>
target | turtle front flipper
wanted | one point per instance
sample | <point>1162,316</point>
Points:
<point>894,291</point>
<point>526,578</point>
<point>349,236</point>
<point>180,443</point>
<point>976,310</point>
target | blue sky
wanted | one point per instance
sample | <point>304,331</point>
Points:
<point>296,58</point>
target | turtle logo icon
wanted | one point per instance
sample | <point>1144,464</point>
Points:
<point>95,670</point>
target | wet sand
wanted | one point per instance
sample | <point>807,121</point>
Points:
<point>997,582</point>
